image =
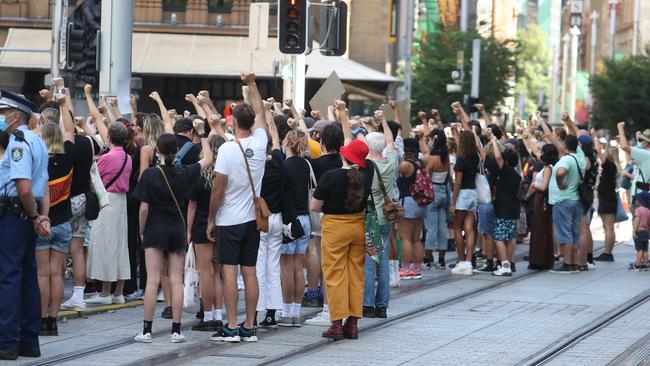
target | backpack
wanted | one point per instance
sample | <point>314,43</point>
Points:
<point>422,189</point>
<point>182,152</point>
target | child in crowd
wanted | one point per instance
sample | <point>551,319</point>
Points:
<point>640,227</point>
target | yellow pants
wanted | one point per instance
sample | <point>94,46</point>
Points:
<point>343,254</point>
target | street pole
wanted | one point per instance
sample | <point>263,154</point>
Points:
<point>463,15</point>
<point>575,33</point>
<point>299,81</point>
<point>612,27</point>
<point>56,34</point>
<point>555,66</point>
<point>594,42</point>
<point>476,70</point>
<point>115,50</point>
<point>408,62</point>
<point>565,67</point>
<point>637,29</point>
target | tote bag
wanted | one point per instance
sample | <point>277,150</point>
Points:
<point>190,283</point>
<point>620,211</point>
<point>314,217</point>
<point>482,186</point>
<point>96,184</point>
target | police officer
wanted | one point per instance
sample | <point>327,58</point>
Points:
<point>24,207</point>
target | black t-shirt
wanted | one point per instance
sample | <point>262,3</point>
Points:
<point>325,163</point>
<point>192,156</point>
<point>60,171</point>
<point>273,181</point>
<point>296,169</point>
<point>469,167</point>
<point>83,160</point>
<point>200,191</point>
<point>506,204</point>
<point>332,189</point>
<point>153,190</point>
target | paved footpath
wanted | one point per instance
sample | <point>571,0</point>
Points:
<point>440,320</point>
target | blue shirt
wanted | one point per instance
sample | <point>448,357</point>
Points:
<point>24,160</point>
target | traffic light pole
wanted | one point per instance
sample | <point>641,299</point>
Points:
<point>115,51</point>
<point>56,34</point>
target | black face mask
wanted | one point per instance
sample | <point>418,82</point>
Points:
<point>4,140</point>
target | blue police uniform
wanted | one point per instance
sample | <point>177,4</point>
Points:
<point>25,158</point>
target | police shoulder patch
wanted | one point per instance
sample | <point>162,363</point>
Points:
<point>17,154</point>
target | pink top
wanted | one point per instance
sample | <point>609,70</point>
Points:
<point>109,165</point>
<point>643,215</point>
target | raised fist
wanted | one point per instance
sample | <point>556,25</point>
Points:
<point>88,89</point>
<point>392,104</point>
<point>154,95</point>
<point>422,115</point>
<point>248,77</point>
<point>340,105</point>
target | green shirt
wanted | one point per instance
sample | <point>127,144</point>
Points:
<point>642,159</point>
<point>387,168</point>
<point>571,178</point>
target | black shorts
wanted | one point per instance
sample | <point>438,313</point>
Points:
<point>641,245</point>
<point>169,237</point>
<point>199,233</point>
<point>238,244</point>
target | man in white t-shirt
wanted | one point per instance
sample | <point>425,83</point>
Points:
<point>231,206</point>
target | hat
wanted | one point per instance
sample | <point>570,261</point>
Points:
<point>9,100</point>
<point>643,198</point>
<point>309,122</point>
<point>585,139</point>
<point>183,125</point>
<point>319,126</point>
<point>645,136</point>
<point>355,152</point>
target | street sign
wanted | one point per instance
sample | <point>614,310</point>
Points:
<point>258,29</point>
<point>577,6</point>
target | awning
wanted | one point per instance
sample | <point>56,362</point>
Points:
<point>196,55</point>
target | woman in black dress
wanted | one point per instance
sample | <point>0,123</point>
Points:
<point>607,196</point>
<point>197,225</point>
<point>162,190</point>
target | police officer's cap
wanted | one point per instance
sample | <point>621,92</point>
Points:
<point>14,101</point>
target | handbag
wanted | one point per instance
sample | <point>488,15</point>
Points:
<point>374,244</point>
<point>482,186</point>
<point>96,184</point>
<point>393,210</point>
<point>262,212</point>
<point>642,185</point>
<point>314,217</point>
<point>621,215</point>
<point>585,193</point>
<point>191,303</point>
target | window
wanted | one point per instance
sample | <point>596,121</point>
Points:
<point>174,5</point>
<point>219,6</point>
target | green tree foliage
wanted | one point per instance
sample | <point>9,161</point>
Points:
<point>621,93</point>
<point>533,61</point>
<point>432,72</point>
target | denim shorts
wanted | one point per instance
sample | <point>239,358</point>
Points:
<point>467,200</point>
<point>80,227</point>
<point>412,210</point>
<point>566,221</point>
<point>486,219</point>
<point>505,229</point>
<point>58,240</point>
<point>299,246</point>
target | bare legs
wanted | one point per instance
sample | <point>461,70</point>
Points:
<point>293,281</point>
<point>231,293</point>
<point>610,233</point>
<point>207,286</point>
<point>464,221</point>
<point>154,258</point>
<point>49,264</point>
<point>412,248</point>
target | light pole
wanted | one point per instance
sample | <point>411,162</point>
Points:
<point>565,66</point>
<point>575,33</point>
<point>594,42</point>
<point>637,29</point>
<point>612,27</point>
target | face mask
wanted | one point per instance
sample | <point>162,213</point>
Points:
<point>3,123</point>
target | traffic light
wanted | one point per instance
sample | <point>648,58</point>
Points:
<point>83,42</point>
<point>292,19</point>
<point>333,28</point>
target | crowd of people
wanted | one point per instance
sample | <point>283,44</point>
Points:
<point>328,210</point>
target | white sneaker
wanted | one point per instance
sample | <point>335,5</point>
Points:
<point>321,319</point>
<point>136,295</point>
<point>178,338</point>
<point>463,268</point>
<point>391,274</point>
<point>143,338</point>
<point>161,296</point>
<point>74,304</point>
<point>97,299</point>
<point>591,266</point>
<point>118,299</point>
<point>503,271</point>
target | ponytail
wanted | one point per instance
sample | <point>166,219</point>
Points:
<point>355,188</point>
<point>169,161</point>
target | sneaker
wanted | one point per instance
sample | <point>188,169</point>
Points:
<point>565,269</point>
<point>117,299</point>
<point>167,313</point>
<point>247,335</point>
<point>285,321</point>
<point>591,266</point>
<point>178,338</point>
<point>97,299</point>
<point>135,295</point>
<point>209,326</point>
<point>226,334</point>
<point>369,312</point>
<point>404,275</point>
<point>161,296</point>
<point>416,275</point>
<point>269,322</point>
<point>73,304</point>
<point>143,338</point>
<point>502,271</point>
<point>634,267</point>
<point>488,267</point>
<point>453,265</point>
<point>584,268</point>
<point>463,268</point>
<point>310,302</point>
<point>604,257</point>
<point>295,320</point>
<point>321,319</point>
<point>380,312</point>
